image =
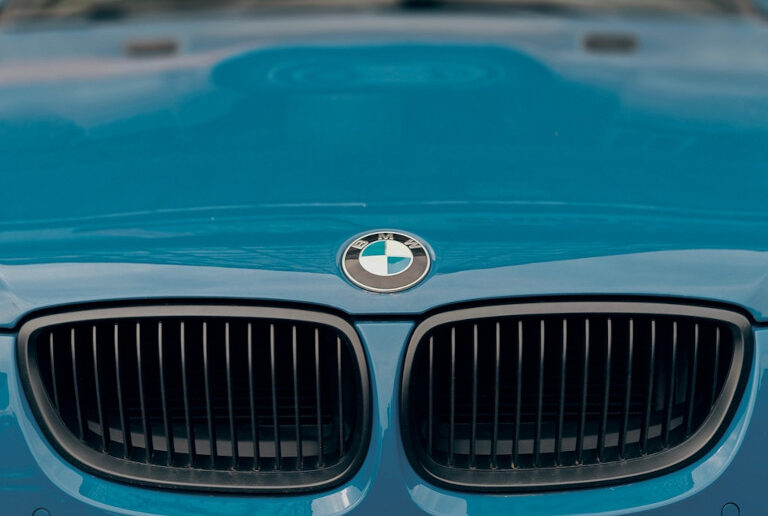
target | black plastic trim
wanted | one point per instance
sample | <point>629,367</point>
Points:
<point>569,477</point>
<point>114,468</point>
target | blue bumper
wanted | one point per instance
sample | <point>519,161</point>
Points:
<point>34,475</point>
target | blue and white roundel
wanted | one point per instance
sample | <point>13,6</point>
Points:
<point>385,261</point>
<point>386,258</point>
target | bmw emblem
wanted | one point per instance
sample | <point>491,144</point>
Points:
<point>385,261</point>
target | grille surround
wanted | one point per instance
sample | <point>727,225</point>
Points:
<point>533,479</point>
<point>264,481</point>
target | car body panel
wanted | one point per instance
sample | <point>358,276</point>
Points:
<point>699,276</point>
<point>239,168</point>
<point>607,170</point>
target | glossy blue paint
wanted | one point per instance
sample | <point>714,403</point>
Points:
<point>530,166</point>
<point>736,277</point>
<point>239,167</point>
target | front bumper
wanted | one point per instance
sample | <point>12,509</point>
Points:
<point>34,476</point>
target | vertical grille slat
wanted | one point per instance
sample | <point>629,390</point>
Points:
<point>715,371</point>
<point>273,378</point>
<point>255,439</point>
<point>76,383</point>
<point>168,435</point>
<point>452,424</point>
<point>496,395</point>
<point>212,448</point>
<point>473,438</point>
<point>670,386</point>
<point>651,379</point>
<point>296,410</point>
<point>539,398</point>
<point>146,429</point>
<point>97,383</point>
<point>431,394</point>
<point>628,391</point>
<point>54,385</point>
<point>124,429</point>
<point>606,393</point>
<point>518,396</point>
<point>340,392</point>
<point>692,387</point>
<point>561,407</point>
<point>584,387</point>
<point>318,402</point>
<point>191,444</point>
<point>229,398</point>
<point>567,390</point>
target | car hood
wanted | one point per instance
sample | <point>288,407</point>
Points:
<point>562,171</point>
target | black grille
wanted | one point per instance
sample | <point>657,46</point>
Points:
<point>202,397</point>
<point>547,395</point>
